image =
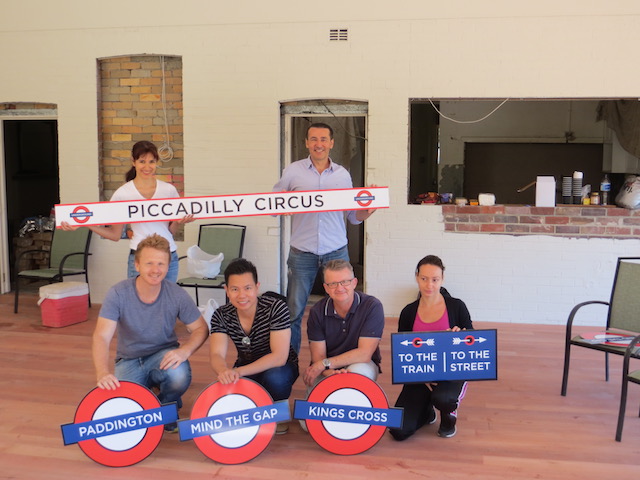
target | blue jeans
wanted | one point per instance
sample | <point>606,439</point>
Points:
<point>172,274</point>
<point>302,271</point>
<point>278,380</point>
<point>146,371</point>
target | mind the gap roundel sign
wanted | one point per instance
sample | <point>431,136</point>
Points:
<point>233,423</point>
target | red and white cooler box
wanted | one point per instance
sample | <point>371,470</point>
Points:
<point>64,303</point>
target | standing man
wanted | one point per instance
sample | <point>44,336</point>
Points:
<point>316,237</point>
<point>344,329</point>
<point>144,310</point>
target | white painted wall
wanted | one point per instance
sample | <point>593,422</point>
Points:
<point>242,58</point>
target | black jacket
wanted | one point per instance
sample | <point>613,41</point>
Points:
<point>456,309</point>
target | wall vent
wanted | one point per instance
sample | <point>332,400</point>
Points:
<point>339,34</point>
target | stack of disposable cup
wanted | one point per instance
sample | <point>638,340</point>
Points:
<point>566,190</point>
<point>577,187</point>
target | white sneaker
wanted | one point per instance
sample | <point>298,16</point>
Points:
<point>282,428</point>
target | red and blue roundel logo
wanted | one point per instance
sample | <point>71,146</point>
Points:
<point>364,198</point>
<point>233,423</point>
<point>347,413</point>
<point>121,427</point>
<point>81,214</point>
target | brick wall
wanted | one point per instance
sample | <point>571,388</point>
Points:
<point>131,109</point>
<point>566,221</point>
<point>33,241</point>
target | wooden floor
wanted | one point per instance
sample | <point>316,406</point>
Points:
<point>518,427</point>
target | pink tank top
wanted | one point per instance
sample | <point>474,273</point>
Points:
<point>440,325</point>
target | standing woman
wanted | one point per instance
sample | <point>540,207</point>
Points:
<point>142,184</point>
<point>435,310</point>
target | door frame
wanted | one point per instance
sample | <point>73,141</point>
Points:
<point>5,267</point>
<point>310,109</point>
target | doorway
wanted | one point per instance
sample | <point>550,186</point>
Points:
<point>31,180</point>
<point>348,120</point>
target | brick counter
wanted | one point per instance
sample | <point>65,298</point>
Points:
<point>578,221</point>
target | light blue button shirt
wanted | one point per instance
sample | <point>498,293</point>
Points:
<point>317,232</point>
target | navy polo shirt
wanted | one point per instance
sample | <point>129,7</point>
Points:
<point>365,319</point>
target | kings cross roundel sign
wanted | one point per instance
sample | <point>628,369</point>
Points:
<point>347,413</point>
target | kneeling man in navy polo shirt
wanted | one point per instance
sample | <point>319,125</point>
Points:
<point>344,329</point>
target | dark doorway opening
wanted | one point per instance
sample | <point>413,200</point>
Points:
<point>424,148</point>
<point>31,173</point>
<point>349,151</point>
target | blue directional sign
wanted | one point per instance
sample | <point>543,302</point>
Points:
<point>421,357</point>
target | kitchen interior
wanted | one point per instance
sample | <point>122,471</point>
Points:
<point>495,149</point>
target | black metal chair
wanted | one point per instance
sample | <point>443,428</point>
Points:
<point>68,256</point>
<point>631,352</point>
<point>214,238</point>
<point>623,315</point>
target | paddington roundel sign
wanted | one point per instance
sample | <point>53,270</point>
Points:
<point>347,413</point>
<point>233,423</point>
<point>120,427</point>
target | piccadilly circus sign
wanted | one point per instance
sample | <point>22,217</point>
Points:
<point>221,206</point>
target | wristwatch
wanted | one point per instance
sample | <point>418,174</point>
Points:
<point>327,363</point>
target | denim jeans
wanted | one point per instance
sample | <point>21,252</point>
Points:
<point>146,371</point>
<point>172,274</point>
<point>278,381</point>
<point>302,271</point>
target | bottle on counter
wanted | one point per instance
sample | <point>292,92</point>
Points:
<point>605,189</point>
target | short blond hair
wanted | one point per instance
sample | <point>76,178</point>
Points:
<point>153,241</point>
